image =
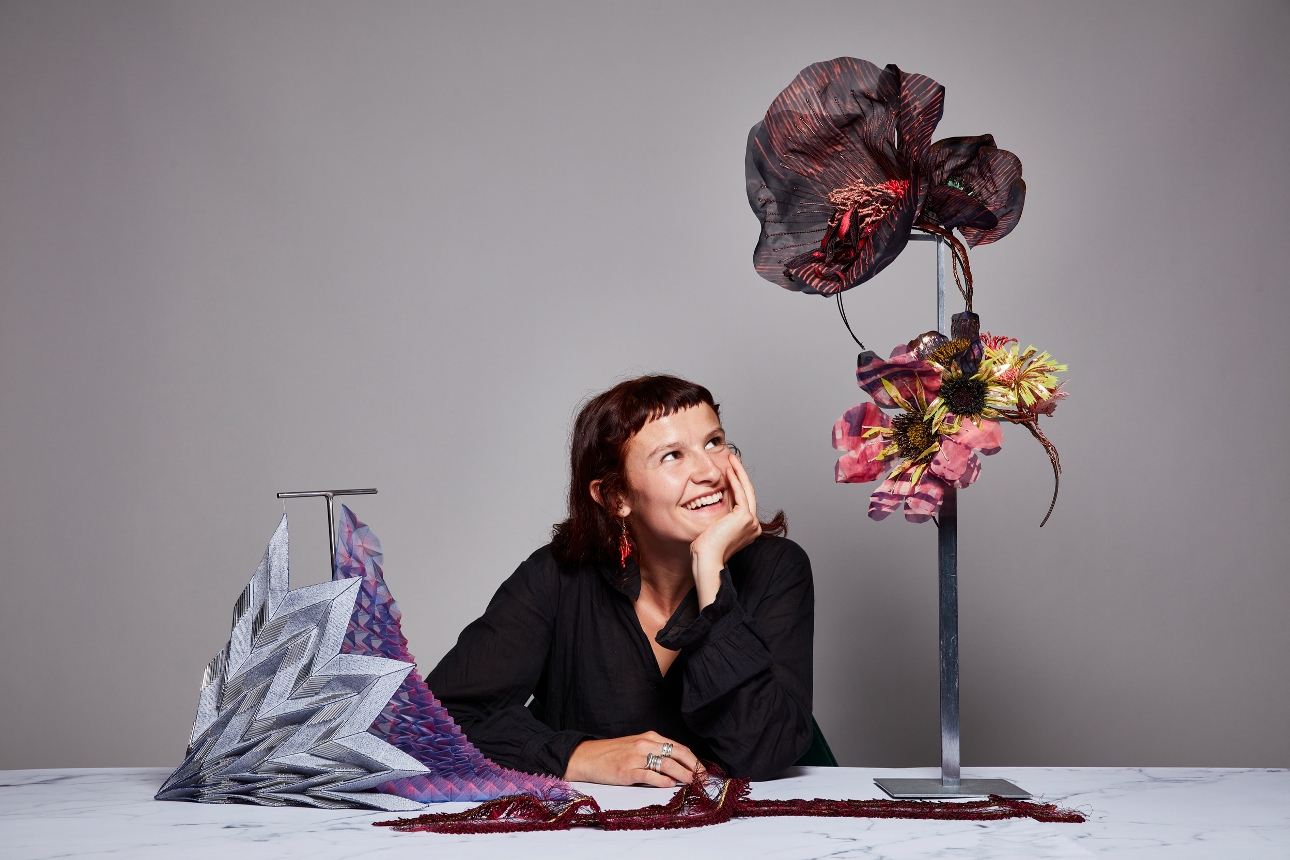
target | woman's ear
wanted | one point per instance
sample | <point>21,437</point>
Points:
<point>623,508</point>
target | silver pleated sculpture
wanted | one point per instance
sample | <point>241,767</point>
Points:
<point>283,715</point>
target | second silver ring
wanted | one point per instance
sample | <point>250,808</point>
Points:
<point>666,752</point>
<point>654,762</point>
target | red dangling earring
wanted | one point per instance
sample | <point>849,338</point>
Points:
<point>625,547</point>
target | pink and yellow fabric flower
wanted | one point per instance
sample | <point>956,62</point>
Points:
<point>946,412</point>
<point>924,448</point>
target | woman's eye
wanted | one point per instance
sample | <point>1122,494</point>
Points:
<point>670,455</point>
<point>713,443</point>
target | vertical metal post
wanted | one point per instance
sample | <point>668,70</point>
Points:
<point>947,570</point>
<point>331,536</point>
<point>947,546</point>
<point>940,286</point>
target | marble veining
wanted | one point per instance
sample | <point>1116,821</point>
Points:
<point>1132,812</point>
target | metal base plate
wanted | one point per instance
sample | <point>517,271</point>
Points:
<point>912,789</point>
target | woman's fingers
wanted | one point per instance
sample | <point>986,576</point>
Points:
<point>676,771</point>
<point>745,511</point>
<point>645,776</point>
<point>682,756</point>
<point>680,752</point>
<point>679,765</point>
<point>737,487</point>
<point>749,492</point>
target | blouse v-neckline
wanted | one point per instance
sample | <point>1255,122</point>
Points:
<point>652,657</point>
<point>629,585</point>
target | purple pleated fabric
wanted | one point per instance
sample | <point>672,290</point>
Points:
<point>414,721</point>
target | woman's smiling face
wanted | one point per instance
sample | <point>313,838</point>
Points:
<point>675,468</point>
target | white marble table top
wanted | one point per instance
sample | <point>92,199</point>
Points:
<point>1132,812</point>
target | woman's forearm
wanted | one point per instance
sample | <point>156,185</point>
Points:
<point>707,576</point>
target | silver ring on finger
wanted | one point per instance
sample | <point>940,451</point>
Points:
<point>654,762</point>
<point>666,752</point>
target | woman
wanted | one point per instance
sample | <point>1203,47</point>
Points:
<point>663,625</point>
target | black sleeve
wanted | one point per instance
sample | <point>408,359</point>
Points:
<point>486,679</point>
<point>748,670</point>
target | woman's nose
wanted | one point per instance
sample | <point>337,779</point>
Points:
<point>708,470</point>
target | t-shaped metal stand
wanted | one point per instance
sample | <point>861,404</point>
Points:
<point>331,520</point>
<point>947,541</point>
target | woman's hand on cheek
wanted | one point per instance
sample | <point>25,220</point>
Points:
<point>621,761</point>
<point>710,551</point>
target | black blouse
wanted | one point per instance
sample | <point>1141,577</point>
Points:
<point>739,693</point>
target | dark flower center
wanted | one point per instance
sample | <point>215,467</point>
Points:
<point>963,395</point>
<point>861,207</point>
<point>859,210</point>
<point>912,434</point>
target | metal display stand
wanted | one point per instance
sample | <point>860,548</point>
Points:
<point>950,784</point>
<point>331,519</point>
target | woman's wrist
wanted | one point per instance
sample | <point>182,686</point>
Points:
<point>575,770</point>
<point>707,576</point>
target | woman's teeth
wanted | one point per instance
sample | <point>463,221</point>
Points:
<point>704,502</point>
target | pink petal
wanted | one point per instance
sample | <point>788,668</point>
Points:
<point>888,498</point>
<point>952,460</point>
<point>1049,406</point>
<point>926,499</point>
<point>901,371</point>
<point>862,462</point>
<point>850,428</point>
<point>860,467</point>
<point>902,354</point>
<point>988,438</point>
<point>972,473</point>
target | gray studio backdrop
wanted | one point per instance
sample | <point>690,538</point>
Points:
<point>251,247</point>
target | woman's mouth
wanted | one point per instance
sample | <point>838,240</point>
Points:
<point>704,501</point>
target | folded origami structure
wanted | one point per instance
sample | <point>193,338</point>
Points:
<point>316,701</point>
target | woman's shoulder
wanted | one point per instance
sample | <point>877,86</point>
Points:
<point>543,580</point>
<point>542,557</point>
<point>538,574</point>
<point>543,566</point>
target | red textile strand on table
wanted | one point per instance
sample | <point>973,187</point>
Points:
<point>709,801</point>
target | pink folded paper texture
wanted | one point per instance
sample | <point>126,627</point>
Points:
<point>414,721</point>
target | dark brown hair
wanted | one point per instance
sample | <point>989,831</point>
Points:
<point>600,435</point>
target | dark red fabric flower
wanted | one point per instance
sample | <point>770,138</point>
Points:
<point>975,187</point>
<point>842,168</point>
